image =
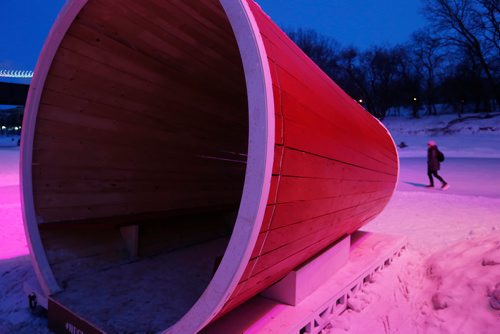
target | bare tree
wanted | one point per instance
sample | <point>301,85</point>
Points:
<point>471,25</point>
<point>408,85</point>
<point>385,75</point>
<point>379,76</point>
<point>428,56</point>
<point>489,17</point>
<point>349,74</point>
<point>322,50</point>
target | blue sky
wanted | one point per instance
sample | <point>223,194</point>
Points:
<point>361,23</point>
<point>24,24</point>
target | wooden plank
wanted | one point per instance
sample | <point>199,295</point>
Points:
<point>79,207</point>
<point>189,172</point>
<point>132,160</point>
<point>75,104</point>
<point>306,139</point>
<point>140,218</point>
<point>273,191</point>
<point>71,62</point>
<point>278,130</point>
<point>347,139</point>
<point>278,157</point>
<point>115,93</point>
<point>256,251</point>
<point>282,236</point>
<point>124,25</point>
<point>186,30</point>
<point>304,164</point>
<point>170,162</point>
<point>137,62</point>
<point>160,151</point>
<point>87,131</point>
<point>177,194</point>
<point>298,211</point>
<point>64,185</point>
<point>93,129</point>
<point>207,16</point>
<point>302,189</point>
<point>192,120</point>
<point>268,217</point>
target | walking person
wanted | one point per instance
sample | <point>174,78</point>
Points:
<point>434,159</point>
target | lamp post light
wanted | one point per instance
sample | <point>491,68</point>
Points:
<point>415,108</point>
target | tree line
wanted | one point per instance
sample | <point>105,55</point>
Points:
<point>454,60</point>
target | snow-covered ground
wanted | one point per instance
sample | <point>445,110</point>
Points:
<point>9,140</point>
<point>473,135</point>
<point>450,275</point>
<point>445,282</point>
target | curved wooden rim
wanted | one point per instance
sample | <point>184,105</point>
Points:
<point>258,173</point>
<point>38,256</point>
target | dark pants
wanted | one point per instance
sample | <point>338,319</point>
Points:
<point>434,173</point>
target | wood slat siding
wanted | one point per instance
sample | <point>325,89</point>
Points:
<point>335,166</point>
<point>144,110</point>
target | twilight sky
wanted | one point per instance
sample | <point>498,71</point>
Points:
<point>24,24</point>
<point>361,23</point>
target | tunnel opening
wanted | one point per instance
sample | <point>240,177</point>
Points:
<point>178,158</point>
<point>139,159</point>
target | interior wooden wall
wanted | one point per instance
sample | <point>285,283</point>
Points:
<point>143,114</point>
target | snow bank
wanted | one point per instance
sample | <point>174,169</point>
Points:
<point>471,136</point>
<point>462,279</point>
<point>9,141</point>
<point>9,166</point>
<point>448,292</point>
<point>445,280</point>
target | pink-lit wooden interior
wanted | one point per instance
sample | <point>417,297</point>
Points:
<point>204,128</point>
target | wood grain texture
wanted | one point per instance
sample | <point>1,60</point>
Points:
<point>144,110</point>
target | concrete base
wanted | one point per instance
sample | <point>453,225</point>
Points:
<point>306,279</point>
<point>369,253</point>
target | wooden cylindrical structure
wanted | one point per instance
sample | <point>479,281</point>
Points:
<point>187,154</point>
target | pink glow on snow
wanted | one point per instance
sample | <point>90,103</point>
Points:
<point>256,327</point>
<point>12,239</point>
<point>13,242</point>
